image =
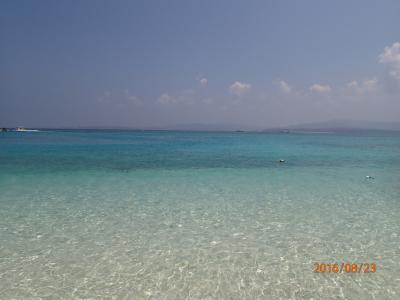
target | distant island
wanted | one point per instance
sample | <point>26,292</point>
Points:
<point>346,125</point>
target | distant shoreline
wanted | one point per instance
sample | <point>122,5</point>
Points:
<point>270,130</point>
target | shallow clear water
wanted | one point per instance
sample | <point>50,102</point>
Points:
<point>175,215</point>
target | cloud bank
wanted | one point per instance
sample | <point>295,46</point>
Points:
<point>275,103</point>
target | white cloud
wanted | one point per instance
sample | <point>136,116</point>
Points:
<point>370,84</point>
<point>239,88</point>
<point>132,98</point>
<point>203,81</point>
<point>185,97</point>
<point>320,88</point>
<point>284,87</point>
<point>366,86</point>
<point>391,58</point>
<point>166,99</point>
<point>353,84</point>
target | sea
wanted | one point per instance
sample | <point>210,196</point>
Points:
<point>118,214</point>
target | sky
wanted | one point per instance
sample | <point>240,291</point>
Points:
<point>157,64</point>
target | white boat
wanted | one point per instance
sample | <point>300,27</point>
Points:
<point>22,129</point>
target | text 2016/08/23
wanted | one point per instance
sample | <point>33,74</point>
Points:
<point>344,268</point>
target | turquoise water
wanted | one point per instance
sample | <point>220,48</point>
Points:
<point>196,215</point>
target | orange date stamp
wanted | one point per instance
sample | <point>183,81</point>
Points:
<point>344,267</point>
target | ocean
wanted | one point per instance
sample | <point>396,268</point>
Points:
<point>103,214</point>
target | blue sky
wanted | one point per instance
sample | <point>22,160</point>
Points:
<point>160,63</point>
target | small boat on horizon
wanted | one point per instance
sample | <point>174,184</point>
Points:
<point>23,129</point>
